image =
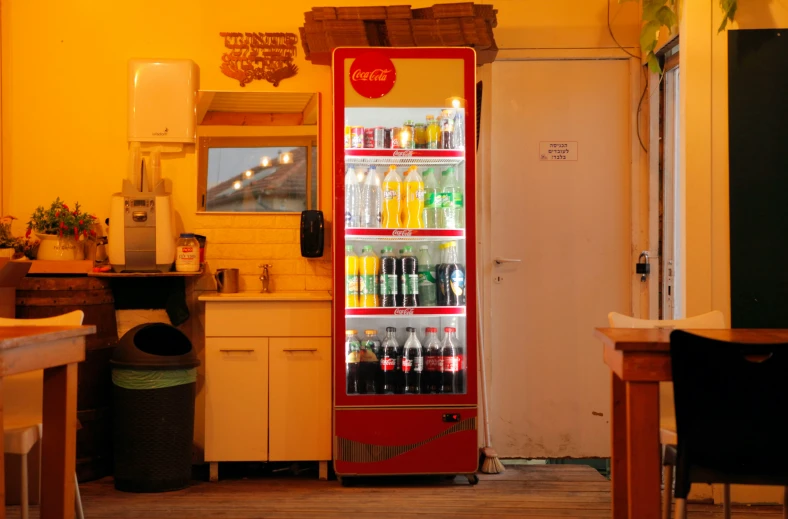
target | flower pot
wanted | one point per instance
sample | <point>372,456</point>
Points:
<point>53,247</point>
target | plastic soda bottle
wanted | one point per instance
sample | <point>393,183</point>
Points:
<point>414,200</point>
<point>351,277</point>
<point>352,199</point>
<point>431,199</point>
<point>427,280</point>
<point>392,186</point>
<point>451,201</point>
<point>368,278</point>
<point>371,200</point>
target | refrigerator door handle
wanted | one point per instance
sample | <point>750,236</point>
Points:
<point>500,261</point>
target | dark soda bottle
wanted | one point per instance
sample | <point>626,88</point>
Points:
<point>388,361</point>
<point>398,264</point>
<point>412,363</point>
<point>352,357</point>
<point>410,278</point>
<point>433,363</point>
<point>369,365</point>
<point>452,277</point>
<point>389,281</point>
<point>453,363</point>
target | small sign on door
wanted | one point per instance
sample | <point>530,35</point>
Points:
<point>550,151</point>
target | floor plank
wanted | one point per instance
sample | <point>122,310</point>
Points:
<point>527,491</point>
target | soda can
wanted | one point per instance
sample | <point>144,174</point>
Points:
<point>369,137</point>
<point>380,137</point>
<point>387,138</point>
<point>395,143</point>
<point>357,137</point>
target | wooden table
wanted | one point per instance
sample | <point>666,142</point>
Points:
<point>640,359</point>
<point>56,350</point>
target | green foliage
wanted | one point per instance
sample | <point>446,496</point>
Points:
<point>663,13</point>
<point>61,220</point>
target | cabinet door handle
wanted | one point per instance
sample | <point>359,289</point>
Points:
<point>300,349</point>
<point>237,351</point>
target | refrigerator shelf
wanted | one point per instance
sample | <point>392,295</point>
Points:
<point>422,311</point>
<point>404,235</point>
<point>385,157</point>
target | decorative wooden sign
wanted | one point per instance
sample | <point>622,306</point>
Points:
<point>259,55</point>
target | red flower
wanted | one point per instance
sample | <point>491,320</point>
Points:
<point>57,214</point>
<point>92,232</point>
<point>81,222</point>
<point>65,207</point>
<point>27,234</point>
<point>85,234</point>
<point>62,225</point>
<point>76,233</point>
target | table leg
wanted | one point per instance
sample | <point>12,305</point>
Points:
<point>2,449</point>
<point>618,463</point>
<point>643,457</point>
<point>59,442</point>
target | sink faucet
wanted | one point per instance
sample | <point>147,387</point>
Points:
<point>265,277</point>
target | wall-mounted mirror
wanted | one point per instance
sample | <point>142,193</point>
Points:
<point>258,152</point>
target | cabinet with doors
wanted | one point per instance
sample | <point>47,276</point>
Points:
<point>267,378</point>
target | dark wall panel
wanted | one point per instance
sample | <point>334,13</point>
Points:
<point>758,133</point>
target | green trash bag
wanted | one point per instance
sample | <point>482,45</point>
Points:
<point>137,379</point>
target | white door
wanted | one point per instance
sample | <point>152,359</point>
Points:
<point>568,222</point>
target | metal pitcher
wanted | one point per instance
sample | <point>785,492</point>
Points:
<point>226,280</point>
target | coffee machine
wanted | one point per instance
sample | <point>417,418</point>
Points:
<point>141,230</point>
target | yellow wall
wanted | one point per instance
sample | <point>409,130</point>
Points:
<point>704,131</point>
<point>64,106</point>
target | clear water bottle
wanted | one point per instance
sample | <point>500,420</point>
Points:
<point>427,280</point>
<point>431,199</point>
<point>352,199</point>
<point>372,200</point>
<point>451,201</point>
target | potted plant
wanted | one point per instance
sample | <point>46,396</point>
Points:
<point>8,243</point>
<point>62,231</point>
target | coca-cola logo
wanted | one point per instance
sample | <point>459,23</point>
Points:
<point>403,311</point>
<point>372,75</point>
<point>402,233</point>
<point>402,153</point>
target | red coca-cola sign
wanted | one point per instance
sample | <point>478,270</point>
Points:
<point>372,75</point>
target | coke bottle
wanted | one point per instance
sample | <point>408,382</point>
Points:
<point>410,278</point>
<point>389,281</point>
<point>412,363</point>
<point>388,361</point>
<point>433,363</point>
<point>451,277</point>
<point>369,365</point>
<point>453,363</point>
<point>352,357</point>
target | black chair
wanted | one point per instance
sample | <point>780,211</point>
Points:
<point>731,401</point>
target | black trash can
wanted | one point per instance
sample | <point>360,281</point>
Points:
<point>154,374</point>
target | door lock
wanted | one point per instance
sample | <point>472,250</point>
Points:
<point>643,267</point>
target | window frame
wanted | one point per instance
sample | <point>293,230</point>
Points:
<point>205,143</point>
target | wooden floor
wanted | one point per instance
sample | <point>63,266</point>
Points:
<point>572,491</point>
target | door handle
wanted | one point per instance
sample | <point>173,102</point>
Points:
<point>500,261</point>
<point>237,351</point>
<point>299,349</point>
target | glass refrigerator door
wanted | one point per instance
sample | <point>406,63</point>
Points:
<point>406,272</point>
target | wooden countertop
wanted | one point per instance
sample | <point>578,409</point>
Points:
<point>658,339</point>
<point>16,336</point>
<point>320,295</point>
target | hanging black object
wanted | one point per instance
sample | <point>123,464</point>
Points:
<point>312,234</point>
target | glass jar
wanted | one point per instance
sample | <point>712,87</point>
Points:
<point>407,135</point>
<point>433,133</point>
<point>187,253</point>
<point>421,136</point>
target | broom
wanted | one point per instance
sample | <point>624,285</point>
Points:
<point>490,462</point>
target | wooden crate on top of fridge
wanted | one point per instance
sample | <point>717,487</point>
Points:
<point>442,25</point>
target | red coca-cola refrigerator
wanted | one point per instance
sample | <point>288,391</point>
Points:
<point>405,328</point>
